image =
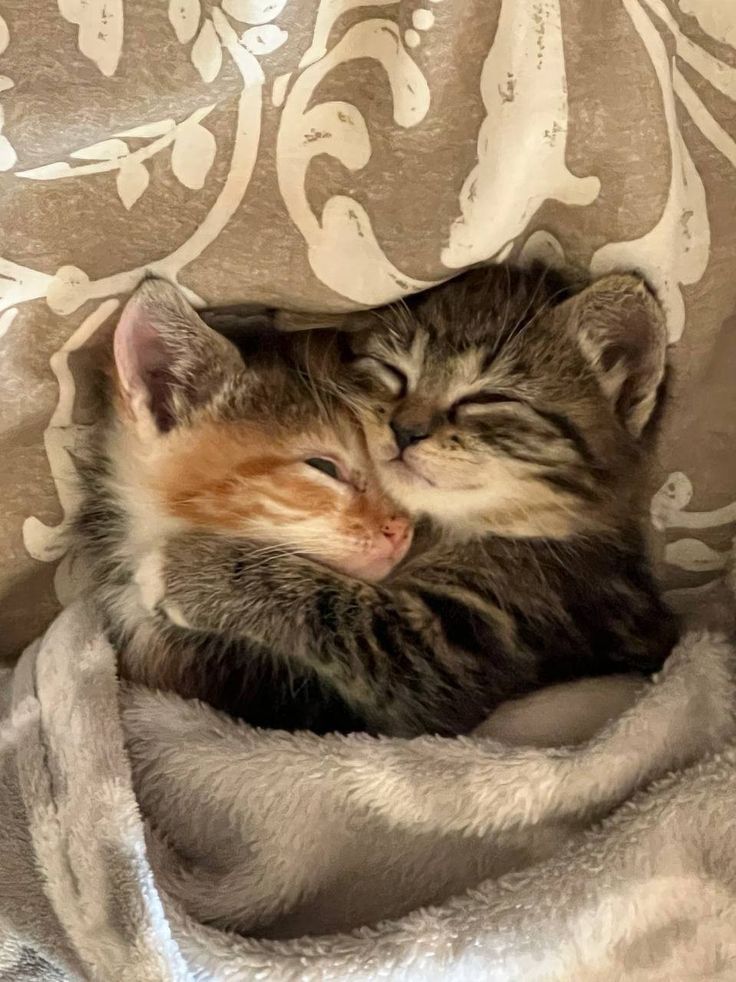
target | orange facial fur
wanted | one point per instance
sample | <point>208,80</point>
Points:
<point>239,478</point>
<point>205,439</point>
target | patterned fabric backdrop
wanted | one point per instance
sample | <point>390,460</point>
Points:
<point>333,153</point>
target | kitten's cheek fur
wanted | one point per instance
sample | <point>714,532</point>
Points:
<point>151,583</point>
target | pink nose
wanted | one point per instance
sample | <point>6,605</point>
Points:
<point>397,531</point>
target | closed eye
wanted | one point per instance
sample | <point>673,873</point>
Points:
<point>477,403</point>
<point>486,399</point>
<point>328,467</point>
<point>390,377</point>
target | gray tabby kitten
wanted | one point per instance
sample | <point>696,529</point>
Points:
<point>505,422</point>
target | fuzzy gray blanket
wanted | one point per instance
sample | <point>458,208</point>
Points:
<point>144,837</point>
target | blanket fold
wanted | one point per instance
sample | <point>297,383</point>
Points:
<point>149,837</point>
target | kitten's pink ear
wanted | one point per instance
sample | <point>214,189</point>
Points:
<point>167,360</point>
<point>621,331</point>
<point>141,362</point>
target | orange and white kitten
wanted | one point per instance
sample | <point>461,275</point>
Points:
<point>195,439</point>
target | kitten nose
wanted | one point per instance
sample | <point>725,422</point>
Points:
<point>407,434</point>
<point>396,530</point>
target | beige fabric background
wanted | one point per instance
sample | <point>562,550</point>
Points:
<point>331,153</point>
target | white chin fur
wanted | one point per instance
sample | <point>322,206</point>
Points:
<point>371,570</point>
<point>447,506</point>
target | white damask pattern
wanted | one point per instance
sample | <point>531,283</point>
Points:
<point>521,144</point>
<point>668,512</point>
<point>521,161</point>
<point>715,17</point>
<point>343,251</point>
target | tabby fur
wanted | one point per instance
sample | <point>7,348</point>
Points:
<point>503,415</point>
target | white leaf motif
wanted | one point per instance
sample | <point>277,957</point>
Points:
<point>253,11</point>
<point>207,53</point>
<point>132,182</point>
<point>67,290</point>
<point>4,35</point>
<point>694,556</point>
<point>48,172</point>
<point>106,150</point>
<point>8,155</point>
<point>668,506</point>
<point>263,40</point>
<point>668,503</point>
<point>100,36</point>
<point>6,83</point>
<point>192,156</point>
<point>19,284</point>
<point>184,16</point>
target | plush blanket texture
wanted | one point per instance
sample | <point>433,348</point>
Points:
<point>208,850</point>
<point>325,154</point>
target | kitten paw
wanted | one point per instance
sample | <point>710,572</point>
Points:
<point>175,615</point>
<point>149,578</point>
<point>151,582</point>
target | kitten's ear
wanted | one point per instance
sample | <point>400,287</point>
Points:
<point>620,328</point>
<point>167,360</point>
